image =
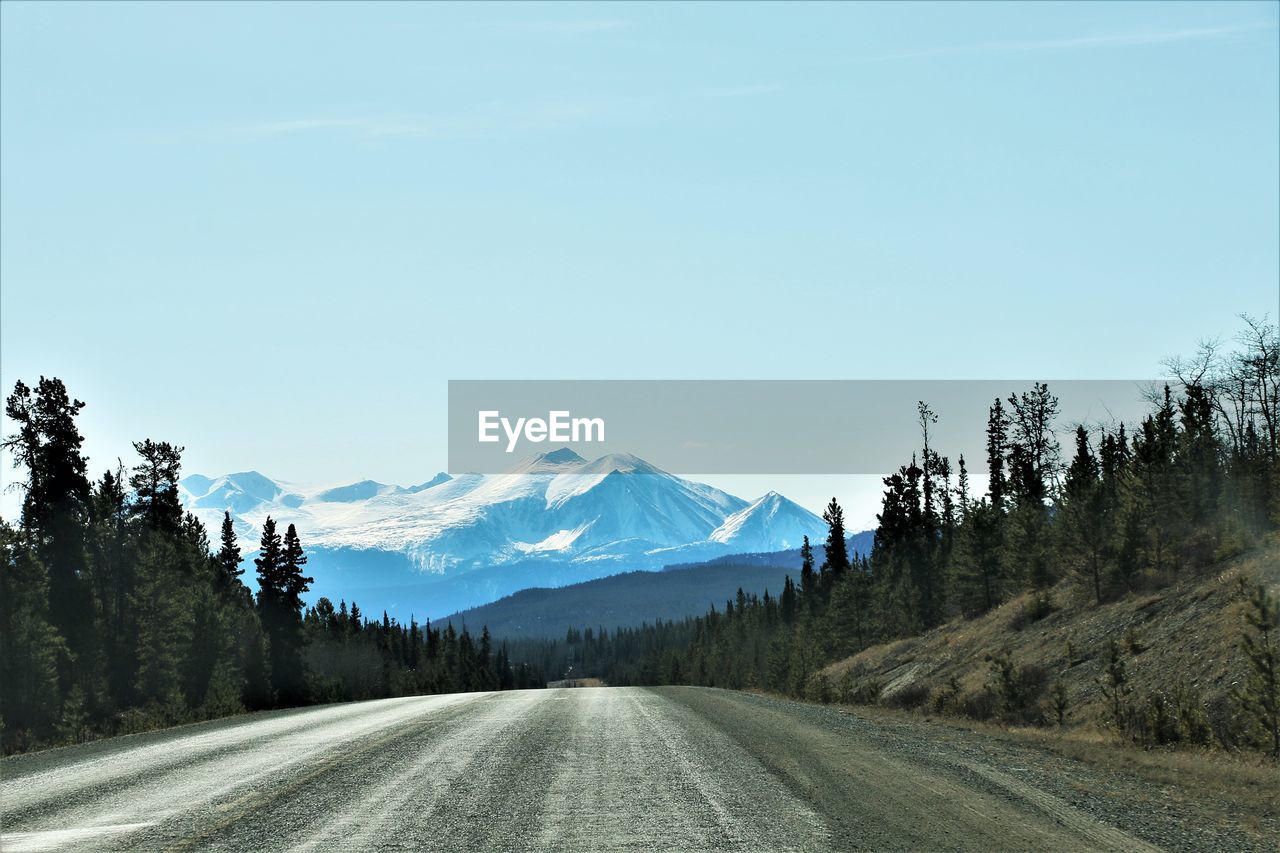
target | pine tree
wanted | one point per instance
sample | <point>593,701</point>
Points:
<point>1084,518</point>
<point>1260,696</point>
<point>808,580</point>
<point>162,616</point>
<point>280,587</point>
<point>836,562</point>
<point>228,562</point>
<point>997,451</point>
<point>155,485</point>
<point>47,443</point>
<point>1115,686</point>
<point>29,644</point>
<point>787,605</point>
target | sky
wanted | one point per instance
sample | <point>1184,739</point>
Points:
<point>272,233</point>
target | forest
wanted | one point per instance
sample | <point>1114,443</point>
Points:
<point>1127,507</point>
<point>117,615</point>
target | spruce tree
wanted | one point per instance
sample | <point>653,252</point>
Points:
<point>997,450</point>
<point>837,552</point>
<point>155,485</point>
<point>808,580</point>
<point>1260,695</point>
<point>47,443</point>
<point>29,645</point>
<point>162,616</point>
<point>280,585</point>
<point>1084,518</point>
<point>228,560</point>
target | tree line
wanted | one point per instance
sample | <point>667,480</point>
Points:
<point>117,616</point>
<point>1134,506</point>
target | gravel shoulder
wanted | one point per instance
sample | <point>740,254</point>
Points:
<point>1103,796</point>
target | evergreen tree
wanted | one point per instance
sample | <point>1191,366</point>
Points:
<point>29,644</point>
<point>836,562</point>
<point>997,451</point>
<point>162,614</point>
<point>808,580</point>
<point>228,561</point>
<point>1084,524</point>
<point>1260,696</point>
<point>280,587</point>
<point>155,485</point>
<point>47,443</point>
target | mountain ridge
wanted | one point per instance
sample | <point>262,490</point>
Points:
<point>469,539</point>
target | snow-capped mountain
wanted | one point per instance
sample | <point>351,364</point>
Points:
<point>456,542</point>
<point>771,523</point>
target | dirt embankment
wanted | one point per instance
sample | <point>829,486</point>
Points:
<point>1180,642</point>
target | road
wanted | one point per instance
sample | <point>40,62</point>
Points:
<point>603,768</point>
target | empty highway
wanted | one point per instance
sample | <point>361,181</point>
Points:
<point>576,769</point>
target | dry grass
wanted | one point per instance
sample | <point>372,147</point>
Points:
<point>577,682</point>
<point>1186,634</point>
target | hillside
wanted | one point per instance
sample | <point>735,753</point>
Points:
<point>624,600</point>
<point>634,598</point>
<point>1183,639</point>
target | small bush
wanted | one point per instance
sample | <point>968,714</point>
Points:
<point>862,692</point>
<point>980,705</point>
<point>819,689</point>
<point>908,698</point>
<point>1176,717</point>
<point>1017,688</point>
<point>1058,702</point>
<point>1034,610</point>
<point>947,697</point>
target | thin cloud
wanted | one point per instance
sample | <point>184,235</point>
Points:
<point>482,122</point>
<point>1104,40</point>
<point>740,91</point>
<point>570,27</point>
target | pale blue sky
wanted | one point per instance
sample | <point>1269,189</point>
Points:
<point>272,233</point>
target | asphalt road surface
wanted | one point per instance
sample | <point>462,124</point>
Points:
<point>576,769</point>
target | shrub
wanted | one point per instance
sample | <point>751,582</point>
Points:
<point>947,697</point>
<point>908,698</point>
<point>1177,717</point>
<point>862,692</point>
<point>1058,702</point>
<point>980,705</point>
<point>1037,608</point>
<point>1115,687</point>
<point>1133,642</point>
<point>1017,688</point>
<point>819,689</point>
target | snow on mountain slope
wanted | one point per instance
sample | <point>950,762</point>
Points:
<point>770,523</point>
<point>615,513</point>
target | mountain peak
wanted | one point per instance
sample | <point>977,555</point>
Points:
<point>771,518</point>
<point>352,492</point>
<point>442,477</point>
<point>562,456</point>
